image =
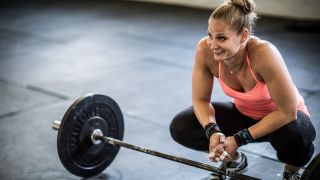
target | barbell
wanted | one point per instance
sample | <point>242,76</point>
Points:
<point>90,135</point>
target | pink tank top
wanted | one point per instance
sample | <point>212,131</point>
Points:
<point>256,103</point>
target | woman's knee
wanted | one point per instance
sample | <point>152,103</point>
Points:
<point>179,126</point>
<point>175,129</point>
<point>186,130</point>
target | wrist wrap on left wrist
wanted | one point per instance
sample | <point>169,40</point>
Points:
<point>243,137</point>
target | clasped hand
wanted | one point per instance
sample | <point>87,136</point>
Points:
<point>222,148</point>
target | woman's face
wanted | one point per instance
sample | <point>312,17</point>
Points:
<point>222,39</point>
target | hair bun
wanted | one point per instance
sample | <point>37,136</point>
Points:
<point>247,6</point>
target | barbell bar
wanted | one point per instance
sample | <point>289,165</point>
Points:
<point>97,138</point>
<point>91,132</point>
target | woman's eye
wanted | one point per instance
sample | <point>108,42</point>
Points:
<point>221,38</point>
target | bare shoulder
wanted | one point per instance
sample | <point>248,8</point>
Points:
<point>202,47</point>
<point>259,50</point>
<point>204,55</point>
<point>263,55</point>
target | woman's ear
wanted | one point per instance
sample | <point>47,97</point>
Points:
<point>244,35</point>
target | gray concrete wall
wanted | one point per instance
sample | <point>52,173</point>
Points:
<point>297,9</point>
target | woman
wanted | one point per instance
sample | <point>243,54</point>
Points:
<point>267,106</point>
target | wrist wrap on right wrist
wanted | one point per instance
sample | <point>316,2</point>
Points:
<point>210,129</point>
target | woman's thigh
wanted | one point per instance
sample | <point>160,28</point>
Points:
<point>186,129</point>
<point>229,119</point>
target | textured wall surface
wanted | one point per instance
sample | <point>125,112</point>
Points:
<point>298,9</point>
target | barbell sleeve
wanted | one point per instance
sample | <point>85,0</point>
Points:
<point>56,125</point>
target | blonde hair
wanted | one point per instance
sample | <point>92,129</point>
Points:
<point>238,13</point>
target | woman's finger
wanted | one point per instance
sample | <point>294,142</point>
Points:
<point>211,155</point>
<point>222,138</point>
<point>218,150</point>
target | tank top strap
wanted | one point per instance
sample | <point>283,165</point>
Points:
<point>248,61</point>
<point>219,70</point>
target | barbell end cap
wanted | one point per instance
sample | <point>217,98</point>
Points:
<point>56,125</point>
<point>95,133</point>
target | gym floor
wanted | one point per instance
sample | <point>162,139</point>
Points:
<point>141,55</point>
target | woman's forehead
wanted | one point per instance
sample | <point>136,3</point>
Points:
<point>219,26</point>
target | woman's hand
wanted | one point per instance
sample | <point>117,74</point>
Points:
<point>230,146</point>
<point>216,146</point>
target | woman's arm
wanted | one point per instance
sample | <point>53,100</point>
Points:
<point>202,84</point>
<point>271,68</point>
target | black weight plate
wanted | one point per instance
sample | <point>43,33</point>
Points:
<point>312,172</point>
<point>77,152</point>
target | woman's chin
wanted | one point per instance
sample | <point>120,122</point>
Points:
<point>220,54</point>
<point>220,57</point>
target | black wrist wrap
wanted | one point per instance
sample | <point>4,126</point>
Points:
<point>210,129</point>
<point>243,137</point>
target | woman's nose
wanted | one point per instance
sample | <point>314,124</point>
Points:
<point>212,44</point>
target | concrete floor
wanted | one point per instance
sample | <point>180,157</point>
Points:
<point>139,54</point>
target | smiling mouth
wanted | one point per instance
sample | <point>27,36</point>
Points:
<point>218,52</point>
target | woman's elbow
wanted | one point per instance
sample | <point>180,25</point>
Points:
<point>291,115</point>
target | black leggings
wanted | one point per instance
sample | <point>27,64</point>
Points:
<point>293,142</point>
